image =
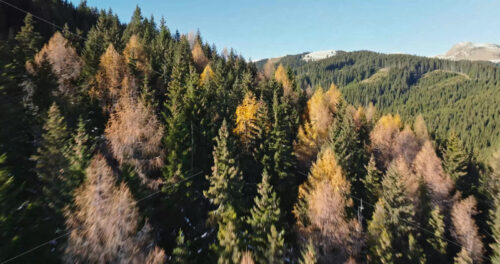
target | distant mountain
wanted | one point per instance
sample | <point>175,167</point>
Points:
<point>319,55</point>
<point>474,52</point>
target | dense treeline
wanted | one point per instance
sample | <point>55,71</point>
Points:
<point>136,145</point>
<point>451,95</point>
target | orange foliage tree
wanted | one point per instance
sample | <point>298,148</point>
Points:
<point>319,116</point>
<point>104,224</point>
<point>136,56</point>
<point>109,78</point>
<point>64,61</point>
<point>321,209</point>
<point>465,229</point>
<point>134,134</point>
<point>200,60</point>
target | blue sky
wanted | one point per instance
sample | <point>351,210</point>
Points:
<point>270,28</point>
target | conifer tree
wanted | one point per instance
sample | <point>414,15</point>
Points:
<point>436,240</point>
<point>229,242</point>
<point>226,178</point>
<point>106,32</point>
<point>349,150</point>
<point>455,162</point>
<point>177,136</point>
<point>309,254</point>
<point>372,181</point>
<point>389,229</point>
<point>135,26</point>
<point>265,216</point>
<point>495,229</point>
<point>105,222</point>
<point>28,40</point>
<point>181,252</point>
<point>79,154</point>
<point>52,164</point>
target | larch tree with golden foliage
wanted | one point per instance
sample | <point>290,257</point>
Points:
<point>200,60</point>
<point>320,114</point>
<point>383,136</point>
<point>109,78</point>
<point>321,210</point>
<point>65,64</point>
<point>281,76</point>
<point>104,223</point>
<point>135,137</point>
<point>136,56</point>
<point>251,121</point>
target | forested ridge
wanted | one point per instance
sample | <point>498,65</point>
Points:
<point>450,95</point>
<point>129,143</point>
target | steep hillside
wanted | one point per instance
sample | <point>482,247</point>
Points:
<point>451,95</point>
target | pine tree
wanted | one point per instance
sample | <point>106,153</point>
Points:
<point>28,40</point>
<point>181,252</point>
<point>52,164</point>
<point>416,254</point>
<point>309,254</point>
<point>265,215</point>
<point>455,162</point>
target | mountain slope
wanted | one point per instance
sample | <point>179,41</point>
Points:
<point>451,95</point>
<point>474,52</point>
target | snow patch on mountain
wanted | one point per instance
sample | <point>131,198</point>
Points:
<point>319,55</point>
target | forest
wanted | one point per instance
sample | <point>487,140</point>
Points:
<point>130,143</point>
<point>408,85</point>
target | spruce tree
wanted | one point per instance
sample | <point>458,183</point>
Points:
<point>79,154</point>
<point>455,162</point>
<point>226,179</point>
<point>390,226</point>
<point>28,40</point>
<point>349,149</point>
<point>135,26</point>
<point>265,216</point>
<point>177,136</point>
<point>228,248</point>
<point>372,181</point>
<point>52,164</point>
<point>438,244</point>
<point>463,257</point>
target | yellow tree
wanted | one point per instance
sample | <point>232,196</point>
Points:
<point>207,74</point>
<point>251,120</point>
<point>314,131</point>
<point>383,137</point>
<point>109,78</point>
<point>282,77</point>
<point>200,60</point>
<point>136,56</point>
<point>321,210</point>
